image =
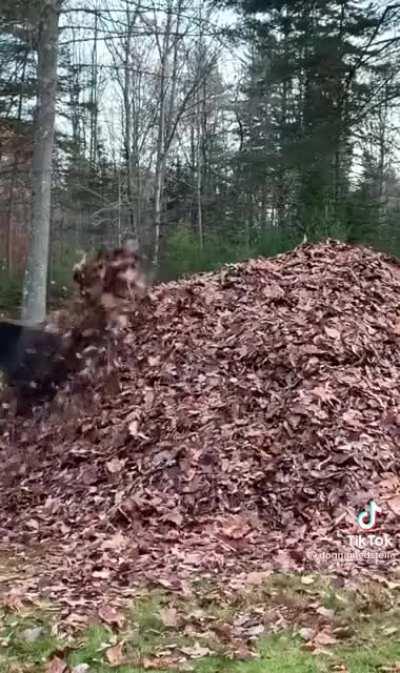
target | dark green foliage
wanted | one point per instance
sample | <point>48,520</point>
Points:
<point>184,255</point>
<point>10,294</point>
<point>17,64</point>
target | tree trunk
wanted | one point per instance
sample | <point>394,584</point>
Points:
<point>161,140</point>
<point>157,213</point>
<point>13,179</point>
<point>94,97</point>
<point>35,285</point>
<point>128,119</point>
<point>199,186</point>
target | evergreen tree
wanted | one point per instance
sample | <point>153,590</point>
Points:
<point>304,101</point>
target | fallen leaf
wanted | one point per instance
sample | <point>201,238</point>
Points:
<point>197,651</point>
<point>32,523</point>
<point>118,542</point>
<point>133,428</point>
<point>115,655</point>
<point>31,635</point>
<point>306,633</point>
<point>236,528</point>
<point>76,620</point>
<point>390,630</point>
<point>115,465</point>
<point>257,578</point>
<point>326,612</point>
<point>13,601</point>
<point>324,638</point>
<point>394,504</point>
<point>332,332</point>
<point>254,631</point>
<point>169,617</point>
<point>81,668</point>
<point>104,574</point>
<point>160,663</point>
<point>110,616</point>
<point>174,517</point>
<point>56,665</point>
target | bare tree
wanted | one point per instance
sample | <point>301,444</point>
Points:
<point>94,92</point>
<point>129,58</point>
<point>177,92</point>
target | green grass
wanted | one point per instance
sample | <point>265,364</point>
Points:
<point>364,622</point>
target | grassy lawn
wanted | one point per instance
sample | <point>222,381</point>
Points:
<point>280,624</point>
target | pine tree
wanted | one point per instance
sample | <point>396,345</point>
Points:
<point>305,101</point>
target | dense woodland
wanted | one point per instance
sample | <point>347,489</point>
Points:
<point>205,131</point>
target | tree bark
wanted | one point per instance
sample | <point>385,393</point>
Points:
<point>35,285</point>
<point>164,53</point>
<point>199,163</point>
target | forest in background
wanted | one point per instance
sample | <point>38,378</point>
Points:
<point>206,131</point>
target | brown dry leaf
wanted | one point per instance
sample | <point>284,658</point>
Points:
<point>159,663</point>
<point>236,527</point>
<point>115,655</point>
<point>174,517</point>
<point>118,542</point>
<point>332,332</point>
<point>111,616</point>
<point>306,633</point>
<point>133,428</point>
<point>89,475</point>
<point>115,465</point>
<point>257,578</point>
<point>324,638</point>
<point>104,574</point>
<point>13,601</point>
<point>242,652</point>
<point>197,651</point>
<point>76,620</point>
<point>56,665</point>
<point>351,417</point>
<point>326,612</point>
<point>170,583</point>
<point>169,617</point>
<point>254,631</point>
<point>32,523</point>
<point>18,668</point>
<point>390,630</point>
<point>394,504</point>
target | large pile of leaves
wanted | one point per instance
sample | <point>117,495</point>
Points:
<point>241,419</point>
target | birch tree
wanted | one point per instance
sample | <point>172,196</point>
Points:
<point>35,285</point>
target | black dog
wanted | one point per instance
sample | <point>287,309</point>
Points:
<point>32,359</point>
